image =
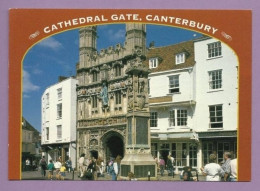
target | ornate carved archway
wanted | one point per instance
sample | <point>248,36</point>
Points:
<point>113,144</point>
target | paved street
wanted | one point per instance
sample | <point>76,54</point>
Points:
<point>36,175</point>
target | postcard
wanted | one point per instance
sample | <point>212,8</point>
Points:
<point>150,95</point>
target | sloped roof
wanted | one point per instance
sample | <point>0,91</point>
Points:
<point>166,55</point>
<point>27,126</point>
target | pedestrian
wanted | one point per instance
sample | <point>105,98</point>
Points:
<point>81,162</point>
<point>57,166</point>
<point>62,171</point>
<point>69,165</point>
<point>233,170</point>
<point>186,174</point>
<point>113,168</point>
<point>89,173</point>
<point>212,171</point>
<point>51,168</point>
<point>162,165</point>
<point>95,168</point>
<point>118,161</point>
<point>34,165</point>
<point>27,164</point>
<point>226,167</point>
<point>170,166</point>
<point>43,165</point>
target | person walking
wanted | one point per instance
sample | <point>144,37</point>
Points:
<point>57,166</point>
<point>162,165</point>
<point>226,167</point>
<point>69,165</point>
<point>43,165</point>
<point>233,170</point>
<point>113,168</point>
<point>212,171</point>
<point>170,166</point>
<point>81,164</point>
<point>27,164</point>
<point>62,171</point>
<point>50,168</point>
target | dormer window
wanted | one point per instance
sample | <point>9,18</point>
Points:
<point>180,58</point>
<point>153,62</point>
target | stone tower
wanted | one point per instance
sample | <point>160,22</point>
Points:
<point>87,44</point>
<point>136,37</point>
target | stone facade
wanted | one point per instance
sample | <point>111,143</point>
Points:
<point>105,91</point>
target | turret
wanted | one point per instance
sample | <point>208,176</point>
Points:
<point>87,44</point>
<point>136,37</point>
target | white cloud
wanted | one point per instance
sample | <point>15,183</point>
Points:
<point>36,71</point>
<point>28,86</point>
<point>51,43</point>
<point>26,96</point>
<point>116,36</point>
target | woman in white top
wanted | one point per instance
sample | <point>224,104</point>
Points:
<point>212,171</point>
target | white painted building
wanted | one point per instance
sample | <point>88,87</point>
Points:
<point>193,101</point>
<point>59,120</point>
<point>216,111</point>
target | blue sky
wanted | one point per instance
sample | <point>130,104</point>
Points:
<point>57,56</point>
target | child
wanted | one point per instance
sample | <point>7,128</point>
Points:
<point>50,169</point>
<point>62,171</point>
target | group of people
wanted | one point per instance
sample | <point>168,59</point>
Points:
<point>162,165</point>
<point>29,166</point>
<point>225,172</point>
<point>92,168</point>
<point>58,167</point>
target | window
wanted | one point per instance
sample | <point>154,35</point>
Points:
<point>59,110</point>
<point>193,155</point>
<point>47,99</point>
<point>172,118</point>
<point>216,118</point>
<point>214,49</point>
<point>59,93</point>
<point>153,62</point>
<point>153,119</point>
<point>180,58</point>
<point>118,70</point>
<point>59,132</point>
<point>174,84</point>
<point>47,133</point>
<point>207,149</point>
<point>215,79</point>
<point>94,101</point>
<point>181,117</point>
<point>179,152</point>
<point>118,97</point>
<point>94,76</point>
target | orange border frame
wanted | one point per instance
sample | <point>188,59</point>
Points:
<point>24,22</point>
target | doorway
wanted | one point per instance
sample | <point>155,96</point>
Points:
<point>94,154</point>
<point>114,145</point>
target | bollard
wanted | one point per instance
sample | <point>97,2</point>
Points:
<point>149,176</point>
<point>73,174</point>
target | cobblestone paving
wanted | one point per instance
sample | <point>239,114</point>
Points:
<point>36,175</point>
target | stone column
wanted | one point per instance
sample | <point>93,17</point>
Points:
<point>138,158</point>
